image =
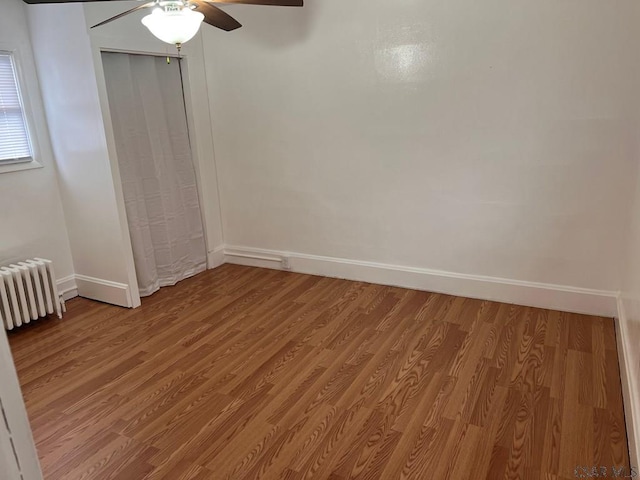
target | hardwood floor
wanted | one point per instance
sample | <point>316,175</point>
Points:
<point>249,373</point>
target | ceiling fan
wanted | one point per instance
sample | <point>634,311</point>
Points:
<point>177,21</point>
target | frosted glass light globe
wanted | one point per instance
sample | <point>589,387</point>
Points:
<point>174,26</point>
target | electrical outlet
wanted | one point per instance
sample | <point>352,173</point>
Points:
<point>286,263</point>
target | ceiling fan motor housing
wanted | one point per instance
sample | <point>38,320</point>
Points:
<point>173,5</point>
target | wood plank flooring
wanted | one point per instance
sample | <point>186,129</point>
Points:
<point>250,373</point>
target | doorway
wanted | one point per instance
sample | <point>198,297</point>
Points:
<point>146,100</point>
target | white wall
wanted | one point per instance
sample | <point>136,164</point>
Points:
<point>629,328</point>
<point>485,139</point>
<point>31,218</point>
<point>101,247</point>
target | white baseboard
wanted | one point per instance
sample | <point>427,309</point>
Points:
<point>104,290</point>
<point>542,295</point>
<point>630,385</point>
<point>67,287</point>
<point>215,258</point>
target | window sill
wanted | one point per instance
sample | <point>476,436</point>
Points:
<point>17,167</point>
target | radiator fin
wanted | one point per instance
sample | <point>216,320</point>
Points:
<point>28,290</point>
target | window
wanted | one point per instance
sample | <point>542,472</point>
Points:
<point>15,145</point>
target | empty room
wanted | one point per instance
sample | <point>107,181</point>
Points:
<point>332,239</point>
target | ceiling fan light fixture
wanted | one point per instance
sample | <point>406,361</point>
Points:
<point>174,26</point>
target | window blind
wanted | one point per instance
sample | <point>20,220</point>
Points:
<point>14,136</point>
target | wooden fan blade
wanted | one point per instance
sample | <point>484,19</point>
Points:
<point>216,17</point>
<point>134,9</point>
<point>278,3</point>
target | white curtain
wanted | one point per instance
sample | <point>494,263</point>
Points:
<point>158,177</point>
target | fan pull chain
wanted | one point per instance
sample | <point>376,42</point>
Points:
<point>184,98</point>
